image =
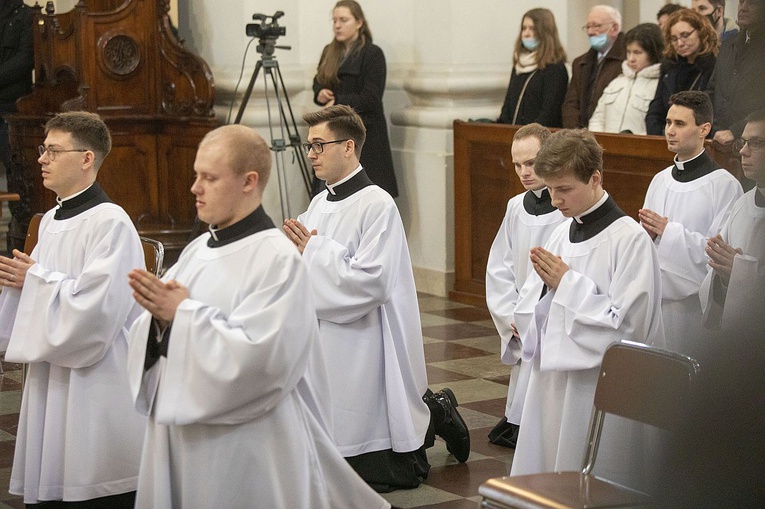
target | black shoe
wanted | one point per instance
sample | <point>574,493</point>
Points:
<point>504,434</point>
<point>452,427</point>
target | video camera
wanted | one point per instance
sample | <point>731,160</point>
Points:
<point>266,29</point>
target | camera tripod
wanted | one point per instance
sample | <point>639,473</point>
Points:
<point>287,127</point>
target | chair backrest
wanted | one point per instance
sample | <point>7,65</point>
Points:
<point>642,383</point>
<point>33,231</point>
<point>153,254</point>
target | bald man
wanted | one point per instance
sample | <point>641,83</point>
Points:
<point>226,360</point>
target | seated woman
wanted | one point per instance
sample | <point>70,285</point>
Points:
<point>690,48</point>
<point>624,103</point>
<point>539,79</point>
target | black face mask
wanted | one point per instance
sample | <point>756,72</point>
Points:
<point>711,18</point>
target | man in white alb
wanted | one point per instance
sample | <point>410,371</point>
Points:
<point>65,311</point>
<point>529,220</point>
<point>226,360</point>
<point>596,282</point>
<point>685,204</point>
<point>353,243</point>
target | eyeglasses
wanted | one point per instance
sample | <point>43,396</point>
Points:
<point>42,149</point>
<point>596,26</point>
<point>318,146</point>
<point>683,36</point>
<point>754,143</point>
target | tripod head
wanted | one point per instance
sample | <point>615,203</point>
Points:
<point>267,33</point>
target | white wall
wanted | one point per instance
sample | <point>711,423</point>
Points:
<point>447,59</point>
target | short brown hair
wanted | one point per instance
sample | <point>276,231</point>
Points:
<point>569,151</point>
<point>533,130</point>
<point>696,101</point>
<point>88,131</point>
<point>343,121</point>
<point>245,149</point>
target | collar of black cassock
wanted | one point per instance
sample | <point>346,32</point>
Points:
<point>759,198</point>
<point>538,206</point>
<point>253,223</point>
<point>353,185</point>
<point>594,222</point>
<point>88,199</point>
<point>695,168</point>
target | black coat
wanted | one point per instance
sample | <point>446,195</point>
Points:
<point>16,53</point>
<point>677,76</point>
<point>542,99</point>
<point>362,83</point>
<point>737,87</point>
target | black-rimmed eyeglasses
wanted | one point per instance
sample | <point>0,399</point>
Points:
<point>754,143</point>
<point>318,146</point>
<point>42,149</point>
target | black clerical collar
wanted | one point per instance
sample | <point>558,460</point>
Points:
<point>759,197</point>
<point>256,222</point>
<point>594,222</point>
<point>87,199</point>
<point>692,169</point>
<point>349,187</point>
<point>538,205</point>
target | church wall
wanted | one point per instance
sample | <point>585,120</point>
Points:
<point>447,59</point>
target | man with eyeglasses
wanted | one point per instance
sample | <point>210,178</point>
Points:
<point>353,242</point>
<point>595,69</point>
<point>736,85</point>
<point>65,311</point>
<point>685,204</point>
<point>733,292</point>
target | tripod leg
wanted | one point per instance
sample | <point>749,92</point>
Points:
<point>248,92</point>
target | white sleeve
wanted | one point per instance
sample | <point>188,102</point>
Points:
<point>502,291</point>
<point>347,286</point>
<point>584,319</point>
<point>231,369</point>
<point>71,320</point>
<point>681,251</point>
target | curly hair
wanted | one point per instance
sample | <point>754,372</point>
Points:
<point>709,40</point>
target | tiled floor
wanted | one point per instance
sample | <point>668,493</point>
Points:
<point>462,352</point>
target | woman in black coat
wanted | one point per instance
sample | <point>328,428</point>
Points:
<point>352,72</point>
<point>539,79</point>
<point>690,48</point>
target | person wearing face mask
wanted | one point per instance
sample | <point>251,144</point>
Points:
<point>594,70</point>
<point>352,72</point>
<point>714,10</point>
<point>539,79</point>
<point>690,51</point>
<point>624,102</point>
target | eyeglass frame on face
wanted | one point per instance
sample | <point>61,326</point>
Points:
<point>753,143</point>
<point>683,36</point>
<point>318,146</point>
<point>42,150</point>
<point>596,26</point>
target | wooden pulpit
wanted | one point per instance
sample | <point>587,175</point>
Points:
<point>120,59</point>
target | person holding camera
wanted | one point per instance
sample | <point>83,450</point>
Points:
<point>539,79</point>
<point>352,72</point>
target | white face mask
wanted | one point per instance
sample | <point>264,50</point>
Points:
<point>530,43</point>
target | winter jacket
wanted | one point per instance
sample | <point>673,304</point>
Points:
<point>624,102</point>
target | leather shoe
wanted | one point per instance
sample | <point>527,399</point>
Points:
<point>452,428</point>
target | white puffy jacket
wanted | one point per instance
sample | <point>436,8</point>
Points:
<point>624,102</point>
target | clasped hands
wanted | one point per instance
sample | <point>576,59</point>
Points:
<point>550,267</point>
<point>721,255</point>
<point>157,297</point>
<point>13,271</point>
<point>297,233</point>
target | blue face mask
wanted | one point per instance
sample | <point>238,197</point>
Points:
<point>530,43</point>
<point>598,42</point>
